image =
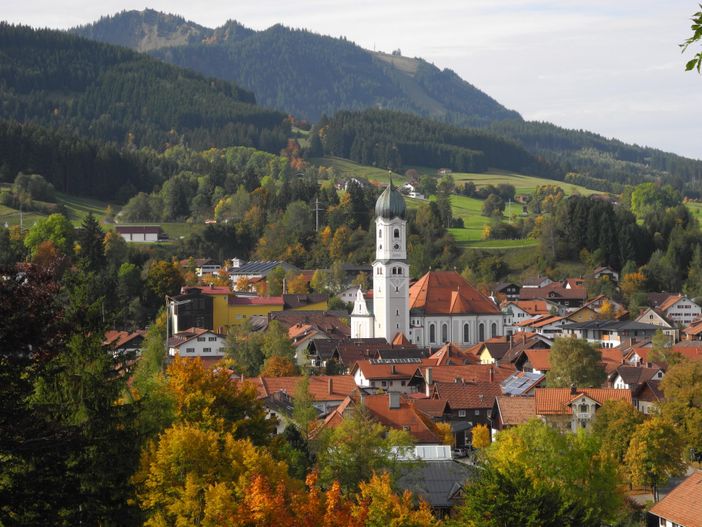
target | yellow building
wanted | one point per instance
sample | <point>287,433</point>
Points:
<point>218,308</point>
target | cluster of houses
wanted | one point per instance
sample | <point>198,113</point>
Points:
<point>437,350</point>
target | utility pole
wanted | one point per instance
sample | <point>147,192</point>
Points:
<point>316,214</point>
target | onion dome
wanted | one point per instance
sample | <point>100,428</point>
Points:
<point>390,204</point>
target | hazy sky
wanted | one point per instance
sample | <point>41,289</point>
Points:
<point>609,66</point>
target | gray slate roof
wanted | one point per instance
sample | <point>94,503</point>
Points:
<point>436,481</point>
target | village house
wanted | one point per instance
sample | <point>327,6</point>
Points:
<point>569,409</point>
<point>251,271</point>
<point>386,374</point>
<point>569,293</point>
<point>141,233</point>
<point>508,412</point>
<point>657,318</point>
<point>509,290</point>
<point>218,308</point>
<point>682,506</point>
<point>609,333</point>
<point>522,383</point>
<point>676,308</point>
<point>197,342</point>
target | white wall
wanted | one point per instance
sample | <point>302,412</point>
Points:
<point>196,347</point>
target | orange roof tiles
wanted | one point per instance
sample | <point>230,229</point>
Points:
<point>372,370</point>
<point>469,396</point>
<point>556,401</point>
<point>668,302</point>
<point>515,410</point>
<point>447,292</point>
<point>533,307</point>
<point>400,339</point>
<point>470,372</point>
<point>406,417</point>
<point>683,505</point>
<point>449,353</point>
<point>539,358</point>
<point>322,387</point>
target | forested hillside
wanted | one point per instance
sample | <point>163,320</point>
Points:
<point>301,72</point>
<point>394,140</point>
<point>114,94</point>
<point>309,75</point>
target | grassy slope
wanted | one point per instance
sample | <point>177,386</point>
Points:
<point>79,207</point>
<point>464,207</point>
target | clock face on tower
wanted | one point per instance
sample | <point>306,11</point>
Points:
<point>396,246</point>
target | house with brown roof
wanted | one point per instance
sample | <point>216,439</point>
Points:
<point>124,341</point>
<point>682,506</point>
<point>569,409</point>
<point>511,411</point>
<point>569,293</point>
<point>450,354</point>
<point>694,330</point>
<point>197,342</point>
<point>677,308</point>
<point>141,233</point>
<point>469,404</point>
<point>640,381</point>
<point>327,391</point>
<point>386,374</point>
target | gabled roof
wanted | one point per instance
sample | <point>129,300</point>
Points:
<point>180,338</point>
<point>469,373</point>
<point>450,353</point>
<point>448,293</point>
<point>651,392</point>
<point>695,328</point>
<point>119,339</point>
<point>295,301</point>
<point>432,407</point>
<point>259,268</point>
<point>467,396</point>
<point>633,375</point>
<point>406,417</point>
<point>321,387</point>
<point>683,505</point>
<point>556,401</point>
<point>400,339</point>
<point>515,410</point>
<point>440,483</point>
<point>554,291</point>
<point>382,370</point>
<point>670,302</point>
<point>533,307</point>
<point>540,359</point>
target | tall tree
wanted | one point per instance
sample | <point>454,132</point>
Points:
<point>575,362</point>
<point>90,240</point>
<point>655,454</point>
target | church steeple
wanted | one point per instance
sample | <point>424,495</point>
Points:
<point>390,269</point>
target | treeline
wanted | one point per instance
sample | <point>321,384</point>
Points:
<point>79,166</point>
<point>598,158</point>
<point>392,139</point>
<point>116,95</point>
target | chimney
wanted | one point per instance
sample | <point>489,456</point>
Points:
<point>330,386</point>
<point>492,374</point>
<point>393,400</point>
<point>573,390</point>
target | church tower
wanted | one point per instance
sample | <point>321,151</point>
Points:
<point>390,268</point>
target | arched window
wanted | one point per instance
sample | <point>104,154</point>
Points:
<point>493,330</point>
<point>380,233</point>
<point>481,332</point>
<point>432,333</point>
<point>466,333</point>
<point>396,233</point>
<point>444,333</point>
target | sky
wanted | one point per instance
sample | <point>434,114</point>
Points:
<point>612,67</point>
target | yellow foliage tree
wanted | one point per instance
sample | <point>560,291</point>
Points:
<point>379,506</point>
<point>480,436</point>
<point>191,476</point>
<point>446,434</point>
<point>277,366</point>
<point>297,285</point>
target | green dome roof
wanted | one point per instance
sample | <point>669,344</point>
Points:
<point>390,204</point>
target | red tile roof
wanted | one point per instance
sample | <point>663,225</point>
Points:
<point>556,401</point>
<point>467,396</point>
<point>683,505</point>
<point>515,410</point>
<point>322,387</point>
<point>554,291</point>
<point>118,339</point>
<point>533,307</point>
<point>447,292</point>
<point>540,359</point>
<point>668,302</point>
<point>469,372</point>
<point>406,417</point>
<point>371,370</point>
<point>451,354</point>
<point>400,339</point>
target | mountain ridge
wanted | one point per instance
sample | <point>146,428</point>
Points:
<point>339,74</point>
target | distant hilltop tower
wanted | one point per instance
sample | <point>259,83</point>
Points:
<point>390,314</point>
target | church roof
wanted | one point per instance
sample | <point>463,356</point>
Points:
<point>390,204</point>
<point>448,293</point>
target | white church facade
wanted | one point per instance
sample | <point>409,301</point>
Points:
<point>440,307</point>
